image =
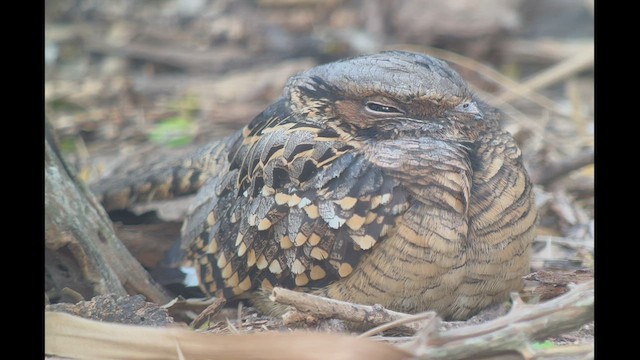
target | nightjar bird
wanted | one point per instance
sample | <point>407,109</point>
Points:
<point>379,179</point>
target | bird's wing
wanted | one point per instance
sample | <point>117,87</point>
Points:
<point>294,206</point>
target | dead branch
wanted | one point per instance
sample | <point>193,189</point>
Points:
<point>81,250</point>
<point>74,337</point>
<point>512,332</point>
<point>321,307</point>
<point>557,171</point>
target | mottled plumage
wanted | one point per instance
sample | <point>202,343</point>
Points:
<point>379,179</point>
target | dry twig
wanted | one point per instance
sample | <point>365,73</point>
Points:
<point>572,243</point>
<point>544,51</point>
<point>574,64</point>
<point>321,307</point>
<point>211,310</point>
<point>425,318</point>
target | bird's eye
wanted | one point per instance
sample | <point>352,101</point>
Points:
<point>380,108</point>
<point>470,108</point>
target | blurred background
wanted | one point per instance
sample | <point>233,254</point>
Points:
<point>151,78</point>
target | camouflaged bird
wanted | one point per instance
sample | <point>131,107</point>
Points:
<point>378,179</point>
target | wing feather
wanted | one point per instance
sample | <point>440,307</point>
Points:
<point>294,206</point>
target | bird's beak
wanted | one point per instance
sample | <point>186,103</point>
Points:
<point>470,108</point>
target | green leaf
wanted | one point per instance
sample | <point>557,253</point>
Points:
<point>173,132</point>
<point>64,105</point>
<point>67,145</point>
<point>542,345</point>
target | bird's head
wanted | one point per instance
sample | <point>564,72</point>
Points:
<point>390,95</point>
